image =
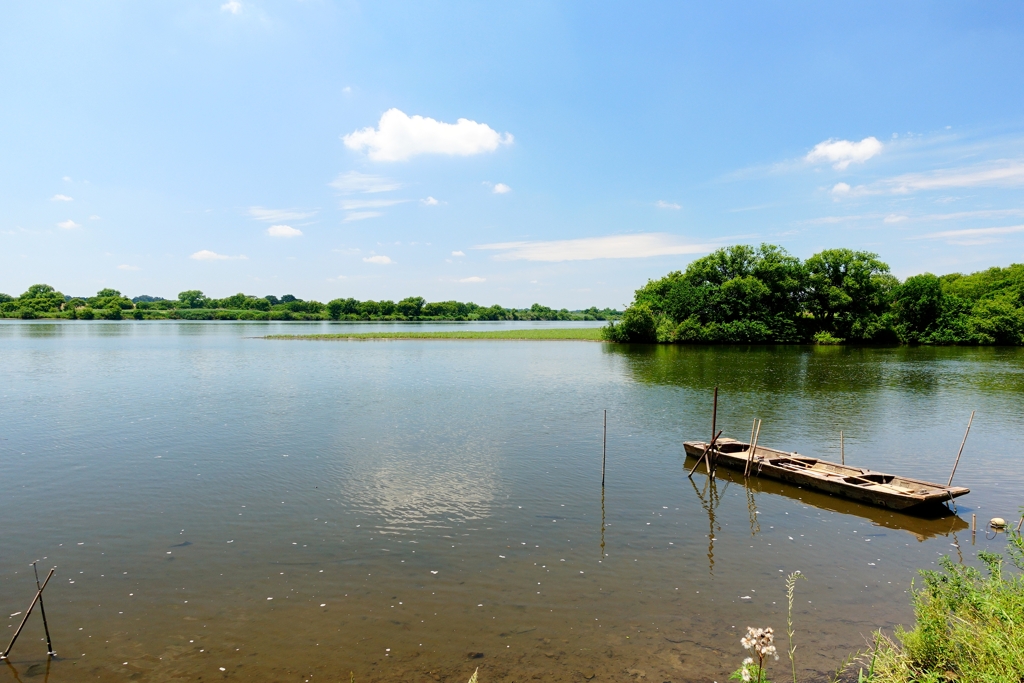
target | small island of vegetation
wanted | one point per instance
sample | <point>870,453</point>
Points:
<point>743,294</point>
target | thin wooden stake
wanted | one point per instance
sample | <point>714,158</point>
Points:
<point>750,444</point>
<point>604,448</point>
<point>703,456</point>
<point>712,459</point>
<point>42,611</point>
<point>1019,523</point>
<point>950,483</point>
<point>842,449</point>
<point>39,594</point>
<point>974,522</point>
<point>753,451</point>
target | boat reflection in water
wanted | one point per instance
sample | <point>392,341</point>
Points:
<point>927,521</point>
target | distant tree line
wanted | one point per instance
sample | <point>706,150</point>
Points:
<point>43,301</point>
<point>743,294</point>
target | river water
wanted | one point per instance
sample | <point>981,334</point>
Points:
<point>220,506</point>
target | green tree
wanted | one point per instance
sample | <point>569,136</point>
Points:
<point>335,307</point>
<point>917,308</point>
<point>997,321</point>
<point>638,326</point>
<point>40,299</point>
<point>411,306</point>
<point>110,298</point>
<point>192,298</point>
<point>847,292</point>
<point>737,293</point>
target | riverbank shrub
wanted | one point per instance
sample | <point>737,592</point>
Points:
<point>968,626</point>
<point>744,295</point>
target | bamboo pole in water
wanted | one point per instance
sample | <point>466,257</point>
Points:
<point>842,449</point>
<point>604,448</point>
<point>712,460</point>
<point>960,452</point>
<point>703,456</point>
<point>42,611</point>
<point>39,594</point>
<point>750,447</point>
<point>753,450</point>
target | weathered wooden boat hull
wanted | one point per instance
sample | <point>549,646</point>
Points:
<point>855,483</point>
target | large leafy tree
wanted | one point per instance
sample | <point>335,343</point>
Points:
<point>40,299</point>
<point>917,307</point>
<point>193,298</point>
<point>847,292</point>
<point>738,293</point>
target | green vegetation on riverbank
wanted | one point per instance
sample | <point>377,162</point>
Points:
<point>43,301</point>
<point>968,626</point>
<point>573,334</point>
<point>743,294</point>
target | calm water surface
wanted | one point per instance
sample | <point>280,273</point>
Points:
<point>221,506</point>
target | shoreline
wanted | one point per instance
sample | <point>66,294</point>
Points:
<point>587,334</point>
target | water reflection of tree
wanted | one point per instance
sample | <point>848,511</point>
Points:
<point>820,369</point>
<point>806,394</point>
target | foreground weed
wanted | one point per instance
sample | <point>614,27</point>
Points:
<point>790,592</point>
<point>761,642</point>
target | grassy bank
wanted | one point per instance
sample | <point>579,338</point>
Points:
<point>575,334</point>
<point>968,626</point>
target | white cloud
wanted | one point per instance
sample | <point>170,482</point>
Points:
<point>127,267</point>
<point>361,215</point>
<point>662,204</point>
<point>262,214</point>
<point>399,137</point>
<point>207,255</point>
<point>61,198</point>
<point>380,259</point>
<point>501,188</point>
<point>94,218</point>
<point>458,253</point>
<point>473,279</point>
<point>66,178</point>
<point>233,6</point>
<point>1004,173</point>
<point>894,218</point>
<point>973,236</point>
<point>68,224</point>
<point>841,153</point>
<point>430,201</point>
<point>350,204</point>
<point>353,181</point>
<point>641,245</point>
<point>283,231</point>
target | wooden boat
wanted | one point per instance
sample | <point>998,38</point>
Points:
<point>856,483</point>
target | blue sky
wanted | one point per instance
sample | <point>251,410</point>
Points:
<point>501,153</point>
